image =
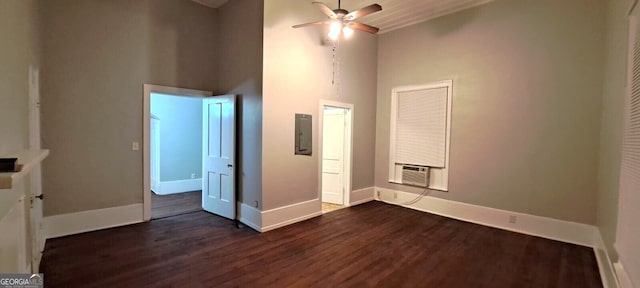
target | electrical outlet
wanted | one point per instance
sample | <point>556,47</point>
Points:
<point>512,219</point>
<point>378,194</point>
<point>193,175</point>
<point>255,204</point>
<point>135,146</point>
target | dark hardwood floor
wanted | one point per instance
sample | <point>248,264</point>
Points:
<point>369,245</point>
<point>175,204</point>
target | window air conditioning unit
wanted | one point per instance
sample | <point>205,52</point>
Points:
<point>415,175</point>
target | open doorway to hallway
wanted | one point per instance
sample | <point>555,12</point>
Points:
<point>175,154</point>
<point>336,119</point>
<point>215,157</point>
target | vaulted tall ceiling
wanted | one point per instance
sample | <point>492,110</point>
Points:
<point>396,14</point>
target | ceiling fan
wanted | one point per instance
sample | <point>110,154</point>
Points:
<point>343,21</point>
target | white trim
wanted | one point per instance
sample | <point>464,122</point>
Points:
<point>348,159</point>
<point>29,159</point>
<point>146,114</point>
<point>452,10</point>
<point>14,239</point>
<point>439,177</point>
<point>605,266</point>
<point>250,216</point>
<point>363,195</point>
<point>565,231</point>
<point>25,243</point>
<point>91,220</point>
<point>286,215</point>
<point>623,277</point>
<point>154,160</point>
<point>178,186</point>
<point>34,108</point>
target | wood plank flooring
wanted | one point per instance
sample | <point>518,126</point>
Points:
<point>175,204</point>
<point>369,245</point>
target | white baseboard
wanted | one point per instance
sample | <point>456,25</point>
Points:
<point>565,231</point>
<point>362,196</point>
<point>623,277</point>
<point>264,221</point>
<point>178,186</point>
<point>85,221</point>
<point>605,266</point>
<point>250,216</point>
<point>286,215</point>
<point>154,185</point>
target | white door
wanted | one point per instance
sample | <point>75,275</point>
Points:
<point>333,138</point>
<point>218,150</point>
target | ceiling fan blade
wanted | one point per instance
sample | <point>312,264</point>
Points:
<point>310,24</point>
<point>363,12</point>
<point>363,27</point>
<point>325,9</point>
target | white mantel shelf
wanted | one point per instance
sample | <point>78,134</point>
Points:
<point>27,159</point>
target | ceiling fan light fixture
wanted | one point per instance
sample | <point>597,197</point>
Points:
<point>335,27</point>
<point>334,30</point>
<point>339,19</point>
<point>347,32</point>
<point>334,36</point>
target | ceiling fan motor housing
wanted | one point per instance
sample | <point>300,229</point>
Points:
<point>340,12</point>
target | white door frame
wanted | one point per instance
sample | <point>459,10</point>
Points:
<point>146,131</point>
<point>154,142</point>
<point>37,240</point>
<point>348,144</point>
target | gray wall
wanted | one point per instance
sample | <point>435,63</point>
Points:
<point>97,55</point>
<point>240,72</point>
<point>612,122</point>
<point>526,105</point>
<point>297,74</point>
<point>18,50</point>
<point>180,121</point>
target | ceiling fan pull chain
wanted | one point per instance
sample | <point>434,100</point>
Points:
<point>333,63</point>
<point>337,68</point>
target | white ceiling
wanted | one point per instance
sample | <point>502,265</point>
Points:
<point>396,14</point>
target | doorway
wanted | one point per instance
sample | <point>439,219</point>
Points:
<point>336,149</point>
<point>175,154</point>
<point>200,174</point>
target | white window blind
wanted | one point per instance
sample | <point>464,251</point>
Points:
<point>421,127</point>
<point>628,232</point>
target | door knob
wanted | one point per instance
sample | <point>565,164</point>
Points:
<point>41,196</point>
<point>229,165</point>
